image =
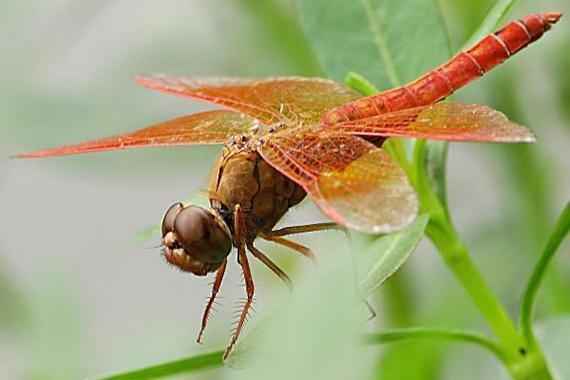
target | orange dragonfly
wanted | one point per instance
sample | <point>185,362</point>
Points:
<point>284,138</point>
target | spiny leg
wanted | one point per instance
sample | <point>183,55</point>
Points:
<point>305,251</point>
<point>240,235</point>
<point>215,288</point>
<point>305,228</point>
<point>249,289</point>
<point>271,265</point>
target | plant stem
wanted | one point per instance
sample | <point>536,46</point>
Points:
<point>394,335</point>
<point>397,151</point>
<point>457,258</point>
<point>529,298</point>
<point>524,361</point>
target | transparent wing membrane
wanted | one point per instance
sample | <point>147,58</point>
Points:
<point>214,127</point>
<point>351,180</point>
<point>289,100</point>
<point>441,121</point>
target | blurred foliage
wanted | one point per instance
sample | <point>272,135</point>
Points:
<point>13,306</point>
<point>45,326</point>
<point>50,96</point>
<point>55,331</point>
<point>562,84</point>
<point>554,336</point>
<point>300,332</point>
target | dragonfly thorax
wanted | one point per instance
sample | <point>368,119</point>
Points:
<point>242,177</point>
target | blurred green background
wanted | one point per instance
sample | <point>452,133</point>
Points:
<point>77,300</point>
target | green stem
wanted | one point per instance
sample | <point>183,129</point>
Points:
<point>435,333</point>
<point>523,362</point>
<point>397,151</point>
<point>457,258</point>
<point>531,292</point>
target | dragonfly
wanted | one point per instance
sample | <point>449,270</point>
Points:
<point>285,137</point>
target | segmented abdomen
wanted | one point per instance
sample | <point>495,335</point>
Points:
<point>452,75</point>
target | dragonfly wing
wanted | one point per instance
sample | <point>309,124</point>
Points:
<point>442,121</point>
<point>213,127</point>
<point>352,181</point>
<point>289,100</point>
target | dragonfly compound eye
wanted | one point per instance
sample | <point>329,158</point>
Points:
<point>168,220</point>
<point>195,239</point>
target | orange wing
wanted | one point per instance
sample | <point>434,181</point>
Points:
<point>286,100</point>
<point>441,121</point>
<point>213,127</point>
<point>352,181</point>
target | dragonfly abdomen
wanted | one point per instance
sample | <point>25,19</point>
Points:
<point>491,51</point>
<point>463,68</point>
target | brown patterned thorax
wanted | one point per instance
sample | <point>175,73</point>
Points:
<point>241,176</point>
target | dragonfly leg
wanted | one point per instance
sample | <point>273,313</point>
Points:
<point>215,289</point>
<point>240,237</point>
<point>271,265</point>
<point>306,228</point>
<point>276,236</point>
<point>305,251</point>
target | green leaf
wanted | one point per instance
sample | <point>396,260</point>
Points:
<point>553,336</point>
<point>494,17</point>
<point>389,42</point>
<point>560,232</point>
<point>398,42</point>
<point>385,255</point>
<point>187,365</point>
<point>274,21</point>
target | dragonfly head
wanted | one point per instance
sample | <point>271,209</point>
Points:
<point>195,239</point>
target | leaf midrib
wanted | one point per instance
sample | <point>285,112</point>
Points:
<point>381,44</point>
